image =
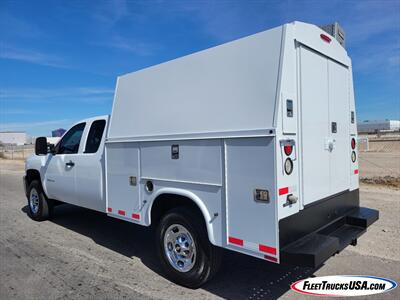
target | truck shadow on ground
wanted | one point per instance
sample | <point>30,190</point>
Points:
<point>240,276</point>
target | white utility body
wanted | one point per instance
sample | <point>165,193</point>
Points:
<point>256,136</point>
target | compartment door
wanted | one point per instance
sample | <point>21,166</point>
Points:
<point>122,171</point>
<point>315,136</point>
<point>251,224</point>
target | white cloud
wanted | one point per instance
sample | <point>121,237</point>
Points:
<point>34,57</point>
<point>46,94</point>
<point>20,28</point>
<point>12,111</point>
<point>131,45</point>
<point>370,20</point>
<point>110,12</point>
<point>15,126</point>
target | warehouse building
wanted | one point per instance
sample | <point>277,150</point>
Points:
<point>13,137</point>
<point>378,126</point>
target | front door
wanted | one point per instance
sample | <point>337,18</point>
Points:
<point>60,173</point>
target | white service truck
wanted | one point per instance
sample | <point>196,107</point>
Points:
<point>248,146</point>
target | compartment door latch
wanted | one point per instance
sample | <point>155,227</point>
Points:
<point>290,199</point>
<point>261,195</point>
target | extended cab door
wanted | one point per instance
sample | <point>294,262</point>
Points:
<point>60,172</point>
<point>89,167</point>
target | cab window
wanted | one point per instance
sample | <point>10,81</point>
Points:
<point>94,136</point>
<point>69,144</point>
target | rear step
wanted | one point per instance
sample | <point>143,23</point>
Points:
<point>315,248</point>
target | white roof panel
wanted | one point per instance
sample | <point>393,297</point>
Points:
<point>225,89</point>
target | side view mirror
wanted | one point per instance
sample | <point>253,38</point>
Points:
<point>41,146</point>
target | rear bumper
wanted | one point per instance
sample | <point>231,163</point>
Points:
<point>323,229</point>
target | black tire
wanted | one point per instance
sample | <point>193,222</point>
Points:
<point>45,205</point>
<point>207,257</point>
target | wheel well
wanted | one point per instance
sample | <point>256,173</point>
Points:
<point>166,202</point>
<point>32,175</point>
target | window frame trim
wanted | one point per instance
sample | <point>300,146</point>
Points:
<point>87,136</point>
<point>80,142</point>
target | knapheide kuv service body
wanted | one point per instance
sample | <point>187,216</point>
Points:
<point>248,146</point>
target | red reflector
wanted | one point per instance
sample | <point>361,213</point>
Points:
<point>235,241</point>
<point>325,38</point>
<point>283,191</point>
<point>288,149</point>
<point>109,209</point>
<point>267,249</point>
<point>270,258</point>
<point>353,143</point>
<point>355,171</point>
<point>121,212</point>
<point>136,216</point>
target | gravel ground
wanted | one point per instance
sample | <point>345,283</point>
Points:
<point>379,164</point>
<point>84,254</point>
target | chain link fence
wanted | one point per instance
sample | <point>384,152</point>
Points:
<point>16,152</point>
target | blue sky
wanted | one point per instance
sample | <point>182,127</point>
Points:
<point>59,59</point>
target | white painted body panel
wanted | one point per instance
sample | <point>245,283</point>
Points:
<point>339,112</point>
<point>123,161</point>
<point>84,183</point>
<point>250,165</point>
<point>324,101</point>
<point>315,126</point>
<point>225,89</point>
<point>60,180</point>
<point>226,108</point>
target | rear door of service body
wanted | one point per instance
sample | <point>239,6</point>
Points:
<point>324,98</point>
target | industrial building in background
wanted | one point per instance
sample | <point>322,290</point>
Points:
<point>58,132</point>
<point>13,137</point>
<point>378,126</point>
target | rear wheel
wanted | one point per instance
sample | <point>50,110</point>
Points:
<point>188,258</point>
<point>39,207</point>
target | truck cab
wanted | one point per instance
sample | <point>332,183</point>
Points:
<point>73,170</point>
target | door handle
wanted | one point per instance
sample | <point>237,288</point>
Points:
<point>70,164</point>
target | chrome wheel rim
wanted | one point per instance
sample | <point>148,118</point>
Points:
<point>34,201</point>
<point>179,248</point>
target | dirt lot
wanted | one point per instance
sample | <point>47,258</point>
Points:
<point>86,255</point>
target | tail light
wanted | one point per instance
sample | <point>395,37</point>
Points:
<point>353,147</point>
<point>353,156</point>
<point>353,143</point>
<point>325,38</point>
<point>288,149</point>
<point>288,166</point>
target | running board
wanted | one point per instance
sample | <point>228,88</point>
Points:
<point>314,249</point>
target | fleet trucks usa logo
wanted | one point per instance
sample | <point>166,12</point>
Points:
<point>346,285</point>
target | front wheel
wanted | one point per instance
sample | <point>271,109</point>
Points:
<point>187,256</point>
<point>39,207</point>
